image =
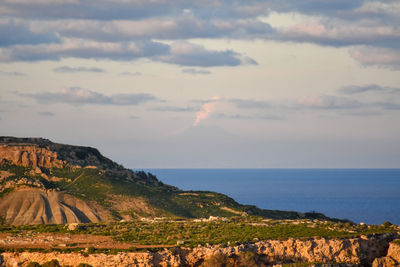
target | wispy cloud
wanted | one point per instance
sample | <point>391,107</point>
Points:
<point>250,103</point>
<point>387,105</point>
<point>328,102</point>
<point>196,71</point>
<point>67,69</point>
<point>174,109</point>
<point>364,113</point>
<point>84,49</point>
<point>358,89</point>
<point>188,54</point>
<point>126,73</point>
<point>247,117</point>
<point>324,102</point>
<point>379,57</point>
<point>12,73</point>
<point>178,53</point>
<point>46,113</point>
<point>81,96</point>
<point>206,110</point>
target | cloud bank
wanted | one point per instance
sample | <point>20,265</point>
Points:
<point>122,30</point>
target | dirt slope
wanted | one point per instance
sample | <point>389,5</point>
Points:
<point>35,206</point>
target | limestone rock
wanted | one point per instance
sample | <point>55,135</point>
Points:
<point>392,258</point>
<point>347,252</point>
<point>29,156</point>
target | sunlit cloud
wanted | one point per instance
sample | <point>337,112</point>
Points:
<point>378,57</point>
<point>206,110</point>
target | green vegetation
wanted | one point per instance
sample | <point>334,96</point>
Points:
<point>191,233</point>
<point>397,241</point>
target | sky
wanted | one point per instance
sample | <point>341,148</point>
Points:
<point>206,84</point>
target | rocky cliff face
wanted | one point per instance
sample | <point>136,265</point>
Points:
<point>73,155</point>
<point>29,156</point>
<point>391,259</point>
<point>352,252</point>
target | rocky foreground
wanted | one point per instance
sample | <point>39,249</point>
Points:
<point>375,250</point>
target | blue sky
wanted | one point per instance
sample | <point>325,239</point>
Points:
<point>206,84</point>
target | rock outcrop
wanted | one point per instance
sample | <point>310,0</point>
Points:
<point>391,259</point>
<point>72,155</point>
<point>29,156</point>
<point>36,206</point>
<point>351,252</point>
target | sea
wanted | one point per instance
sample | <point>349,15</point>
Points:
<point>361,195</point>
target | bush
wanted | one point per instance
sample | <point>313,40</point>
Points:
<point>218,260</point>
<point>91,250</point>
<point>386,224</point>
<point>52,263</point>
<point>132,249</point>
<point>84,265</point>
<point>33,264</point>
<point>247,259</point>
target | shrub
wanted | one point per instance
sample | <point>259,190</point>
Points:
<point>386,224</point>
<point>52,263</point>
<point>33,264</point>
<point>132,249</point>
<point>91,250</point>
<point>218,260</point>
<point>247,259</point>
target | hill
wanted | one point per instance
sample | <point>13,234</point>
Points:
<point>43,182</point>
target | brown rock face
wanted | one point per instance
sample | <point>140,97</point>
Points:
<point>35,206</point>
<point>29,155</point>
<point>392,258</point>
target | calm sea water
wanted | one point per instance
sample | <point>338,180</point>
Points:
<point>361,195</point>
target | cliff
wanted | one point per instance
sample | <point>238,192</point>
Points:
<point>29,156</point>
<point>392,257</point>
<point>360,251</point>
<point>29,148</point>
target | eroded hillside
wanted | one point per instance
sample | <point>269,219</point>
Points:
<point>46,182</point>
